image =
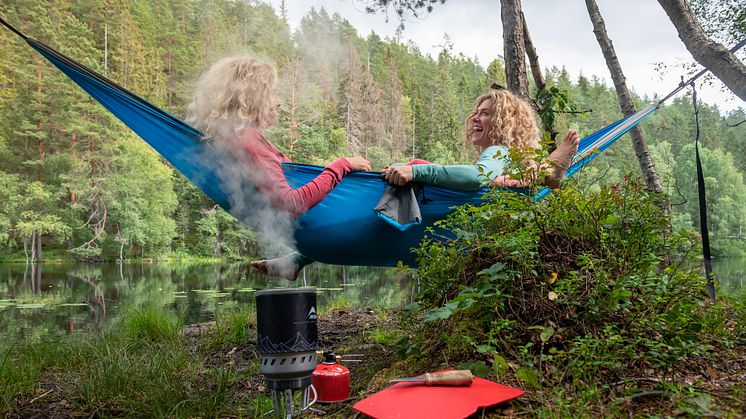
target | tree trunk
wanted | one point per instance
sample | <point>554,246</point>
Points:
<point>533,57</point>
<point>25,249</point>
<point>37,248</point>
<point>293,106</point>
<point>717,58</point>
<point>514,47</point>
<point>620,84</point>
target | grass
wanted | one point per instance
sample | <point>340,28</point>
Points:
<point>151,324</point>
<point>339,302</point>
<point>17,375</point>
<point>234,327</point>
<point>385,337</point>
<point>146,365</point>
<point>139,367</point>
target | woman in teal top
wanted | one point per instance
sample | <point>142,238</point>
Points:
<point>500,121</point>
<point>493,159</point>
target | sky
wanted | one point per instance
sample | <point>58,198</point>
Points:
<point>561,31</point>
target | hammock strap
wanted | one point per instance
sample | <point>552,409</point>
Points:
<point>706,255</point>
<point>17,32</point>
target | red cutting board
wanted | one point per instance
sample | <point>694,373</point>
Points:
<point>413,401</point>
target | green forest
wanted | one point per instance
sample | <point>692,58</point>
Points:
<point>76,183</point>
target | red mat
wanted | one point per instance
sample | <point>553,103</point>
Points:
<point>405,400</point>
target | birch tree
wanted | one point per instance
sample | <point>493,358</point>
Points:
<point>714,56</point>
<point>625,100</point>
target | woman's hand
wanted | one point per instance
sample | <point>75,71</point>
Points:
<point>398,175</point>
<point>359,164</point>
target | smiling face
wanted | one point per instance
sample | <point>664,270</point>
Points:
<point>481,124</point>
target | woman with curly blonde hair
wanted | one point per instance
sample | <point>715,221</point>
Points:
<point>233,102</point>
<point>500,121</point>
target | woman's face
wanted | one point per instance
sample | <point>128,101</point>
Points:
<point>482,125</point>
<point>273,112</point>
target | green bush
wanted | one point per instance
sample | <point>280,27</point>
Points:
<point>571,288</point>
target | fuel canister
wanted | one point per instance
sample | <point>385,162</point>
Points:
<point>331,380</point>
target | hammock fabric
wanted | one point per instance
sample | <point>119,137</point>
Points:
<point>343,229</point>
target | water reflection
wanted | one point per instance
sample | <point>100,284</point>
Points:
<point>731,275</point>
<point>53,299</point>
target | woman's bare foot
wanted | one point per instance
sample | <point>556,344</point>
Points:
<point>561,158</point>
<point>284,267</point>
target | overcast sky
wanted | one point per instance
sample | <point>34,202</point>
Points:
<point>561,30</point>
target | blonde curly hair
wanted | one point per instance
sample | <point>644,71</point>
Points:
<point>513,120</point>
<point>235,93</point>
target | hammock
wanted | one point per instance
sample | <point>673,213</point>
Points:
<point>343,228</point>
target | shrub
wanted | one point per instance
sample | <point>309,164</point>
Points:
<point>575,284</point>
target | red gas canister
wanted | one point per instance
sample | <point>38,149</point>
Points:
<point>331,380</point>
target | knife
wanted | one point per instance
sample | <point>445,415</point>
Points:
<point>443,378</point>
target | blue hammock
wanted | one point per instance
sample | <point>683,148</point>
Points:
<point>343,229</point>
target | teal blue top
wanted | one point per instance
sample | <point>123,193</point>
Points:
<point>490,165</point>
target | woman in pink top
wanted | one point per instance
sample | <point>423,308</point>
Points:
<point>234,101</point>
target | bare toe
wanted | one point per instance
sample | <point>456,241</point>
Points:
<point>561,159</point>
<point>259,265</point>
<point>284,267</point>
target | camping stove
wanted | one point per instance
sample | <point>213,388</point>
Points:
<point>287,339</point>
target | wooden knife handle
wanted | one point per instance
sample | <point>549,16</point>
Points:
<point>449,378</point>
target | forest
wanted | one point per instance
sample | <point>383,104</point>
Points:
<point>77,184</point>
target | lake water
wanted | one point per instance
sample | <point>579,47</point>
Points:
<point>731,275</point>
<point>56,299</point>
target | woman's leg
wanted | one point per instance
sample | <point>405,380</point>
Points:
<point>561,158</point>
<point>285,267</point>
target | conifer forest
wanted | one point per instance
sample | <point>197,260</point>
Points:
<point>76,183</point>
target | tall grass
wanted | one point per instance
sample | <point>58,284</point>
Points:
<point>151,324</point>
<point>17,375</point>
<point>233,327</point>
<point>139,367</point>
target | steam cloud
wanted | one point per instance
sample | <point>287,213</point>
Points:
<point>234,171</point>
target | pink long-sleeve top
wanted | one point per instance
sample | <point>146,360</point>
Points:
<point>266,173</point>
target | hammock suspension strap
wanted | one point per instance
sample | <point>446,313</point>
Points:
<point>706,255</point>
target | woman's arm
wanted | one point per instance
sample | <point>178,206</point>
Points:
<point>265,170</point>
<point>491,164</point>
<point>461,177</point>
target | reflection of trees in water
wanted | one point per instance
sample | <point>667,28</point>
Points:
<point>731,275</point>
<point>146,285</point>
<point>37,292</point>
<point>108,290</point>
<point>35,278</point>
<point>363,287</point>
<point>93,295</point>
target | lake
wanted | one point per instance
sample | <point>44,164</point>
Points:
<point>58,299</point>
<point>731,275</point>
